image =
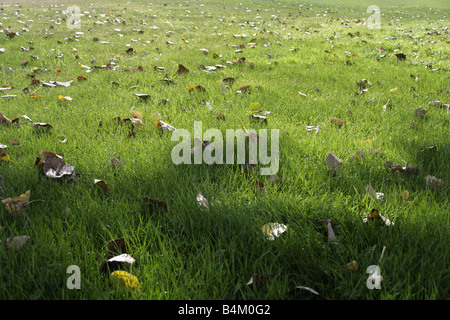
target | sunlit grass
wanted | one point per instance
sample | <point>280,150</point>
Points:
<point>189,253</point>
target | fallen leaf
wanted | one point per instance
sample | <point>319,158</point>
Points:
<point>35,96</point>
<point>125,257</point>
<point>115,162</point>
<point>182,69</point>
<point>338,122</point>
<point>352,266</point>
<point>142,96</point>
<point>333,161</point>
<point>102,185</point>
<point>4,157</point>
<point>375,214</point>
<point>124,279</point>
<point>55,168</point>
<point>165,126</point>
<point>16,242</point>
<point>309,291</point>
<point>196,87</point>
<point>273,229</point>
<point>155,204</point>
<point>419,112</point>
<point>202,202</point>
<point>331,235</point>
<point>65,98</point>
<point>371,192</point>
<point>400,56</point>
<point>17,204</point>
<point>434,182</point>
<point>259,279</point>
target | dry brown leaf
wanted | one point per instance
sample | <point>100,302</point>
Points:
<point>102,185</point>
<point>434,182</point>
<point>155,204</point>
<point>182,69</point>
<point>55,168</point>
<point>16,242</point>
<point>333,161</point>
<point>338,122</point>
<point>352,266</point>
<point>115,162</point>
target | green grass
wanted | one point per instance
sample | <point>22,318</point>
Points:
<point>189,253</point>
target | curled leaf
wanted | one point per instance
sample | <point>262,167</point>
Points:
<point>331,235</point>
<point>272,230</point>
<point>55,168</point>
<point>202,202</point>
<point>102,185</point>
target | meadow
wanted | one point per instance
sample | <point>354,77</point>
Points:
<point>93,99</point>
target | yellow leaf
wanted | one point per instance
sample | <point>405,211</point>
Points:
<point>58,70</point>
<point>17,204</point>
<point>394,90</point>
<point>5,158</point>
<point>136,114</point>
<point>352,266</point>
<point>124,280</point>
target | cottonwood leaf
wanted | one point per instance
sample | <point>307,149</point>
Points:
<point>338,122</point>
<point>371,192</point>
<point>17,204</point>
<point>155,204</point>
<point>331,235</point>
<point>55,168</point>
<point>202,202</point>
<point>307,290</point>
<point>115,162</point>
<point>16,242</point>
<point>259,279</point>
<point>434,182</point>
<point>4,157</point>
<point>124,279</point>
<point>352,266</point>
<point>125,257</point>
<point>165,126</point>
<point>102,185</point>
<point>333,161</point>
<point>182,69</point>
<point>273,230</point>
<point>65,98</point>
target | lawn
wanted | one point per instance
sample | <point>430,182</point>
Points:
<point>318,74</point>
